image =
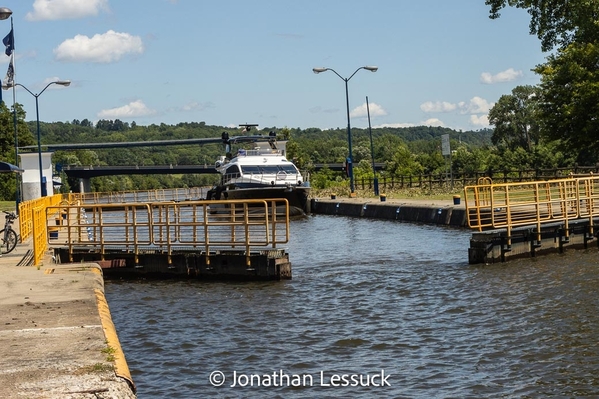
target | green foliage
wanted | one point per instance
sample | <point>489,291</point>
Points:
<point>515,119</point>
<point>406,151</point>
<point>403,163</point>
<point>8,181</point>
<point>557,23</point>
<point>325,178</point>
<point>569,110</point>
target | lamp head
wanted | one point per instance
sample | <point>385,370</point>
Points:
<point>5,13</point>
<point>63,82</point>
<point>319,70</point>
<point>371,68</point>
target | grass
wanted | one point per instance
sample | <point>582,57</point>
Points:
<point>405,193</point>
<point>7,206</point>
<point>109,352</point>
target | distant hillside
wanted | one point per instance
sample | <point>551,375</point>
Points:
<point>477,138</point>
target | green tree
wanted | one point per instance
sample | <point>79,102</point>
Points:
<point>569,106</point>
<point>8,181</point>
<point>403,162</point>
<point>515,120</point>
<point>557,23</point>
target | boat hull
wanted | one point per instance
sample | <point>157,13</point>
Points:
<point>297,197</point>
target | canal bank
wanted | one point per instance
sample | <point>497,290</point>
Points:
<point>56,333</point>
<point>439,212</point>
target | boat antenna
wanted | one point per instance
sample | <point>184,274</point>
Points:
<point>248,126</point>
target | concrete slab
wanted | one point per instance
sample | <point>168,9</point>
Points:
<point>56,341</point>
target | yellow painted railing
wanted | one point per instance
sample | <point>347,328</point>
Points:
<point>158,195</point>
<point>499,206</point>
<point>32,223</point>
<point>166,226</point>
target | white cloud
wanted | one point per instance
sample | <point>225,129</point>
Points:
<point>65,9</point>
<point>101,48</point>
<point>438,106</point>
<point>477,105</point>
<point>362,111</point>
<point>133,109</point>
<point>508,75</point>
<point>482,120</point>
<point>394,125</point>
<point>433,122</point>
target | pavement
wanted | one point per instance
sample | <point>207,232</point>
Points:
<point>56,336</point>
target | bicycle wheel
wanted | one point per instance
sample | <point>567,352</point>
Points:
<point>8,240</point>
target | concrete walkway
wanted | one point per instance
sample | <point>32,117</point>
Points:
<point>56,336</point>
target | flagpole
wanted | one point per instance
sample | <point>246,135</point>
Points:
<point>14,118</point>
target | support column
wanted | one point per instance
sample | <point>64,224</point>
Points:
<point>85,186</point>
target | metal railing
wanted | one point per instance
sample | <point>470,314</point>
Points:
<point>174,194</point>
<point>167,226</point>
<point>32,223</point>
<point>510,205</point>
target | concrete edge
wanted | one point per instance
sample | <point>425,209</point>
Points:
<point>121,368</point>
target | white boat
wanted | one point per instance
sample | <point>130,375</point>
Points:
<point>260,173</point>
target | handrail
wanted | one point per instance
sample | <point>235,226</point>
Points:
<point>32,223</point>
<point>167,226</point>
<point>510,205</point>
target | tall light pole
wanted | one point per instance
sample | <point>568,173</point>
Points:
<point>350,160</point>
<point>375,181</point>
<point>37,115</point>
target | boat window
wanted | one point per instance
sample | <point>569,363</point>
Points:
<point>270,169</point>
<point>289,169</point>
<point>232,171</point>
<point>250,169</point>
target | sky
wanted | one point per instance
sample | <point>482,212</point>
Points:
<point>228,62</point>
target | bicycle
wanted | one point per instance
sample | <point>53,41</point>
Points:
<point>8,237</point>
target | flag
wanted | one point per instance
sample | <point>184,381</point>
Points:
<point>9,80</point>
<point>9,42</point>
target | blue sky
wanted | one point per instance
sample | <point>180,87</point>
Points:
<point>226,62</point>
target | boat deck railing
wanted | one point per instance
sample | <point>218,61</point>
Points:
<point>165,227</point>
<point>263,178</point>
<point>511,205</point>
<point>243,153</point>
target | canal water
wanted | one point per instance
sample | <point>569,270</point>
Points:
<point>375,309</point>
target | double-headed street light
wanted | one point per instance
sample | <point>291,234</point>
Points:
<point>37,114</point>
<point>350,161</point>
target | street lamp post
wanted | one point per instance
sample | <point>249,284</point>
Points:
<point>37,115</point>
<point>375,181</point>
<point>350,160</point>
